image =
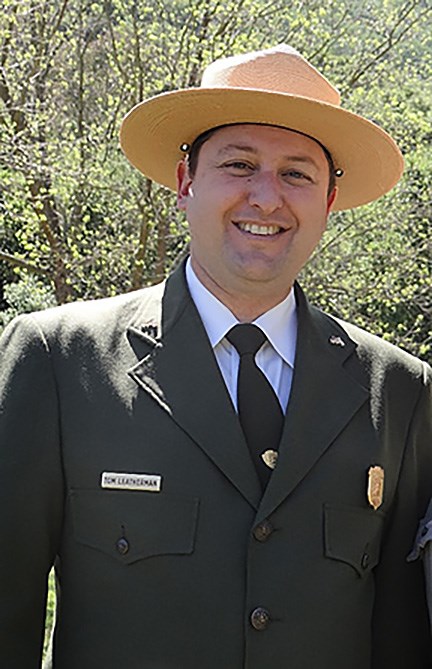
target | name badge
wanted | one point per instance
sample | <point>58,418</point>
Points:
<point>124,481</point>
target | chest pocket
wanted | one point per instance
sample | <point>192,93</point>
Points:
<point>132,526</point>
<point>353,536</point>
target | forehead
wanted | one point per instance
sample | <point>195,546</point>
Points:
<point>274,139</point>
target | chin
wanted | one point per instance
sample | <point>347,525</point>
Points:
<point>264,277</point>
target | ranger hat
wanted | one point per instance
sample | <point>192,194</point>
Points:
<point>276,86</point>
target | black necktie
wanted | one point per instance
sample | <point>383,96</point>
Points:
<point>259,411</point>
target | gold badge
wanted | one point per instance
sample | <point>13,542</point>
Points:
<point>270,458</point>
<point>375,489</point>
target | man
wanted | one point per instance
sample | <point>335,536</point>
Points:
<point>132,450</point>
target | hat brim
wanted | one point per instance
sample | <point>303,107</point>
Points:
<point>153,132</point>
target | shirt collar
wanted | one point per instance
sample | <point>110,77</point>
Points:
<point>217,318</point>
<point>279,323</point>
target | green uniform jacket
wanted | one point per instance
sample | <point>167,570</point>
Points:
<point>172,579</point>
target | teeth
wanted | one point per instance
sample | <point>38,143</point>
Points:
<point>259,229</point>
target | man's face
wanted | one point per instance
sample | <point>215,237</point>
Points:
<point>257,206</point>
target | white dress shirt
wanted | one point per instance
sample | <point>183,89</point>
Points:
<point>275,358</point>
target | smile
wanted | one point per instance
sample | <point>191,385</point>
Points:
<point>255,229</point>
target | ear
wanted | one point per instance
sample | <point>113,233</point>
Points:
<point>331,199</point>
<point>183,183</point>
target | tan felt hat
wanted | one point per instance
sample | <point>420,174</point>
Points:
<point>278,87</point>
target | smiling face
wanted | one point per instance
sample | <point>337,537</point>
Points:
<point>257,206</point>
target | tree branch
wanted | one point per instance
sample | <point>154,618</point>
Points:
<point>20,262</point>
<point>390,41</point>
<point>58,20</point>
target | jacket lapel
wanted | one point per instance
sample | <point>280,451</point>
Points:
<point>176,366</point>
<point>324,397</point>
<point>178,369</point>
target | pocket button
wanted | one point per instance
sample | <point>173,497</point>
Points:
<point>122,546</point>
<point>365,560</point>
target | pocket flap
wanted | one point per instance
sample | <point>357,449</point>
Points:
<point>131,526</point>
<point>353,535</point>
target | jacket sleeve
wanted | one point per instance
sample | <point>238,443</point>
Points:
<point>31,490</point>
<point>427,563</point>
<point>422,549</point>
<point>401,627</point>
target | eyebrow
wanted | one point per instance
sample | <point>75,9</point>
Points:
<point>251,149</point>
<point>237,147</point>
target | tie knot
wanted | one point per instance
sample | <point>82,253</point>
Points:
<point>246,338</point>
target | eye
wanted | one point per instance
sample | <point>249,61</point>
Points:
<point>296,175</point>
<point>238,166</point>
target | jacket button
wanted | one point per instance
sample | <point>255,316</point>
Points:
<point>263,530</point>
<point>260,619</point>
<point>365,560</point>
<point>122,546</point>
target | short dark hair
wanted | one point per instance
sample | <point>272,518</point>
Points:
<point>193,153</point>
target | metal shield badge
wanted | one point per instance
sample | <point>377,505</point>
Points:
<point>375,490</point>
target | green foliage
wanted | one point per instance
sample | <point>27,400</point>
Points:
<point>24,296</point>
<point>50,610</point>
<point>76,219</point>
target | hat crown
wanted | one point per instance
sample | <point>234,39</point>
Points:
<point>280,69</point>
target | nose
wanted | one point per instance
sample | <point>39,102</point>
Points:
<point>265,192</point>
